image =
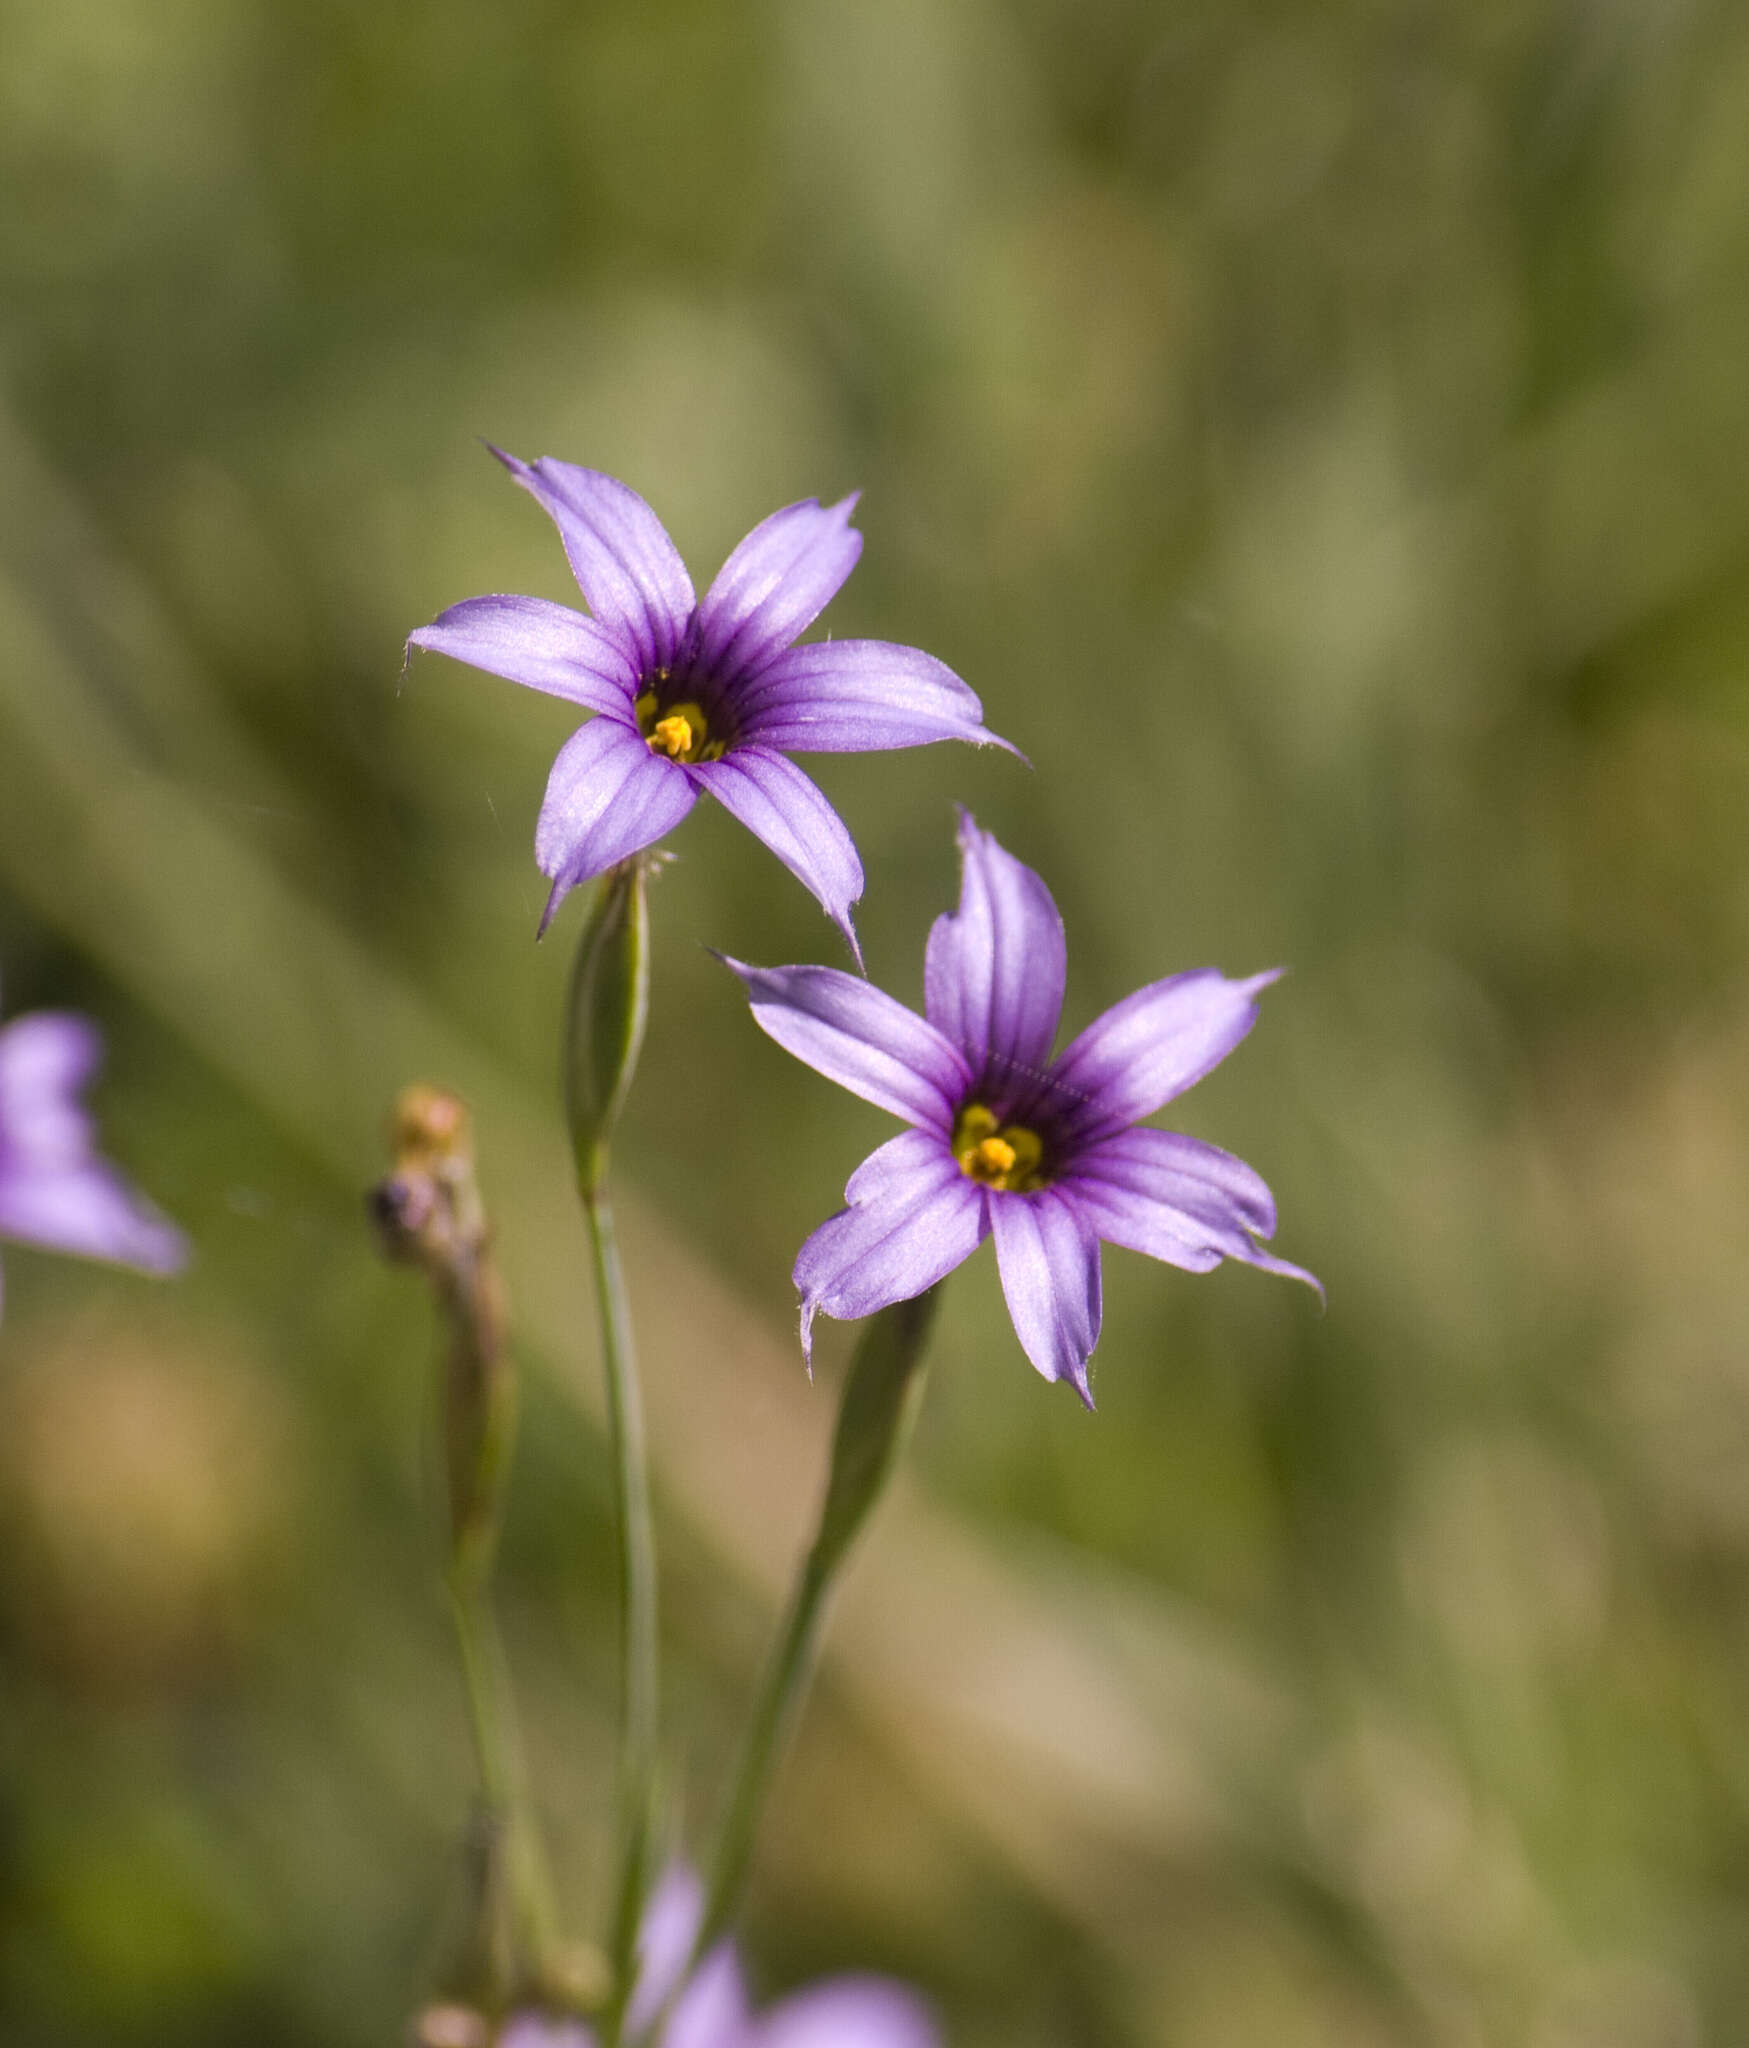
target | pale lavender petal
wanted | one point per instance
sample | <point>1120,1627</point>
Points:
<point>1285,1269</point>
<point>1049,1261</point>
<point>45,1059</point>
<point>860,1038</point>
<point>1176,1199</point>
<point>849,2012</point>
<point>777,802</point>
<point>712,2012</point>
<point>619,551</point>
<point>670,1925</point>
<point>775,584</point>
<point>994,972</point>
<point>547,646</point>
<point>915,1158</point>
<point>1152,1046</point>
<point>87,1208</point>
<point>608,797</point>
<point>891,1245</point>
<point>858,697</point>
<point>1199,1180</point>
<point>541,2030</point>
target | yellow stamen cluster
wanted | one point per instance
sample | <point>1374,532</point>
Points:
<point>673,735</point>
<point>995,1154</point>
<point>681,731</point>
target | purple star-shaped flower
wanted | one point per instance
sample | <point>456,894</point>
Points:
<point>1047,1155</point>
<point>700,695</point>
<point>713,2010</point>
<point>54,1189</point>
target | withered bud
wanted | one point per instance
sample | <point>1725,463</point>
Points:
<point>427,1213</point>
<point>450,2026</point>
<point>427,1209</point>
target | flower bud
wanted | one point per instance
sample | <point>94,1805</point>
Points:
<point>879,1405</point>
<point>428,1213</point>
<point>605,1013</point>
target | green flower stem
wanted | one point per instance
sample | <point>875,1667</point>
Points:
<point>514,1881</point>
<point>481,1425</point>
<point>882,1393</point>
<point>428,1214</point>
<point>637,1585</point>
<point>605,1013</point>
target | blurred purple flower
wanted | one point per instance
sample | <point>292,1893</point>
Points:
<point>1047,1154</point>
<point>54,1189</point>
<point>712,2010</point>
<point>700,695</point>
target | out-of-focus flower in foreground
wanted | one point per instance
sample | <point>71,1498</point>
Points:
<point>713,2011</point>
<point>697,694</point>
<point>1047,1155</point>
<point>54,1189</point>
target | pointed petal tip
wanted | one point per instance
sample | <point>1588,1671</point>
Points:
<point>741,969</point>
<point>1285,1269</point>
<point>555,896</point>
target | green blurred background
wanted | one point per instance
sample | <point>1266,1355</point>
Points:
<point>1321,435</point>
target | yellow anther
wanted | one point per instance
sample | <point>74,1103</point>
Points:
<point>992,1159</point>
<point>1007,1156</point>
<point>672,735</point>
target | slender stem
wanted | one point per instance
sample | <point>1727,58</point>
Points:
<point>637,1586</point>
<point>513,1853</point>
<point>481,1426</point>
<point>428,1213</point>
<point>882,1392</point>
<point>774,1715</point>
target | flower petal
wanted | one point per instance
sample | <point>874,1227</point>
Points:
<point>779,804</point>
<point>1200,1181</point>
<point>1176,1199</point>
<point>45,1059</point>
<point>1049,1261</point>
<point>861,1038</point>
<point>669,1927</point>
<point>849,2012</point>
<point>1154,1045</point>
<point>87,1209</point>
<point>712,2012</point>
<point>901,1237</point>
<point>547,646</point>
<point>541,2030</point>
<point>776,584</point>
<point>915,1158</point>
<point>607,797</point>
<point>994,972</point>
<point>859,697</point>
<point>619,551</point>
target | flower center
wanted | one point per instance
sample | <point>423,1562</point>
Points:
<point>681,731</point>
<point>995,1154</point>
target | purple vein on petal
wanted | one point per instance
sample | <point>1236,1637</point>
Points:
<point>995,968</point>
<point>780,804</point>
<point>859,696</point>
<point>858,1036</point>
<point>547,647</point>
<point>775,584</point>
<point>608,797</point>
<point>620,553</point>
